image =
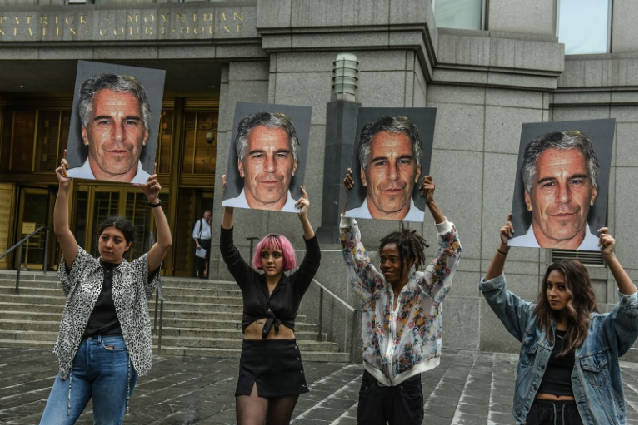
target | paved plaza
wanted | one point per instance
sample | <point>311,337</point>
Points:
<point>467,388</point>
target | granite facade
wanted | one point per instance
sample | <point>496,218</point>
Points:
<point>485,85</point>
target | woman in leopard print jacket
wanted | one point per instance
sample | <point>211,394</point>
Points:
<point>104,341</point>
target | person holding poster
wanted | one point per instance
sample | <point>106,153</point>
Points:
<point>104,342</point>
<point>113,136</point>
<point>114,113</point>
<point>271,375</point>
<point>560,173</point>
<point>400,326</point>
<point>568,370</point>
<point>392,153</point>
<point>267,148</point>
<point>560,195</point>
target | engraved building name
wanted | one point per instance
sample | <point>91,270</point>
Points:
<point>116,25</point>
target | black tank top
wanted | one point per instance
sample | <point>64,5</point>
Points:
<point>557,379</point>
<point>103,319</point>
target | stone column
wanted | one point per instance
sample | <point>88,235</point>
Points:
<point>341,126</point>
<point>241,82</point>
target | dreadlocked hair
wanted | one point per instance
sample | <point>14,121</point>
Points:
<point>583,303</point>
<point>411,246</point>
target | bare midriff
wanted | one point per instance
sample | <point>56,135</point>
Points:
<point>253,331</point>
<point>554,397</point>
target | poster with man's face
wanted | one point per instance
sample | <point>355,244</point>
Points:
<point>391,157</point>
<point>560,195</point>
<point>267,157</point>
<point>114,122</point>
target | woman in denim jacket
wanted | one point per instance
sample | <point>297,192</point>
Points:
<point>568,371</point>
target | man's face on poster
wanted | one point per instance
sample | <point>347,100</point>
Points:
<point>390,175</point>
<point>267,167</point>
<point>562,193</point>
<point>115,135</point>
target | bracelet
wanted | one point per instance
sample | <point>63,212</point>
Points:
<point>501,252</point>
<point>159,204</point>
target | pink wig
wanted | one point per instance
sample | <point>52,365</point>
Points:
<point>279,242</point>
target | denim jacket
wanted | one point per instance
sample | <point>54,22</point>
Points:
<point>596,378</point>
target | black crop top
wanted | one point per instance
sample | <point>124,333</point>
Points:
<point>557,379</point>
<point>281,306</point>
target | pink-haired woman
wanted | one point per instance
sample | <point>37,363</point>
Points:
<point>270,371</point>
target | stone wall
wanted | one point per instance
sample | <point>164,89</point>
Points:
<point>484,84</point>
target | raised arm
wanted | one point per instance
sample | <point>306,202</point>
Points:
<point>362,275</point>
<point>231,256</point>
<point>438,277</point>
<point>303,204</point>
<point>310,264</point>
<point>164,238</point>
<point>622,322</point>
<point>513,311</point>
<point>227,214</point>
<point>498,261</point>
<point>68,244</point>
<point>427,191</point>
<point>608,245</point>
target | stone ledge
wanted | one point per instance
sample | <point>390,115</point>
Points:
<point>313,13</point>
<point>617,70</point>
<point>498,59</point>
<point>334,25</point>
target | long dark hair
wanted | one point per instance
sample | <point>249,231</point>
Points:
<point>578,312</point>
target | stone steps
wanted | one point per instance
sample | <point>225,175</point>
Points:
<point>44,299</point>
<point>41,287</point>
<point>226,338</point>
<point>37,279</point>
<point>23,320</point>
<point>221,304</point>
<point>306,354</point>
<point>21,306</point>
<point>56,296</point>
<point>631,355</point>
<point>200,318</point>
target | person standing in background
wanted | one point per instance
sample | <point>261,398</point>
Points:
<point>202,234</point>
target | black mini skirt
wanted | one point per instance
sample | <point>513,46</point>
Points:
<point>274,364</point>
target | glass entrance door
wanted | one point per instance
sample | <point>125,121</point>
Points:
<point>192,204</point>
<point>35,210</point>
<point>96,202</point>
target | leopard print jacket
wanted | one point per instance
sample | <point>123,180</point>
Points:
<point>131,290</point>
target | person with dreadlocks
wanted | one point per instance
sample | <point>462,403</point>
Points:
<point>400,323</point>
<point>568,371</point>
<point>271,375</point>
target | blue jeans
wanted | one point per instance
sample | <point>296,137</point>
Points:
<point>102,371</point>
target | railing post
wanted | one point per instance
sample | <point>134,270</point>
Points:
<point>251,239</point>
<point>353,336</point>
<point>155,318</point>
<point>159,338</point>
<point>19,269</point>
<point>46,251</point>
<point>320,325</point>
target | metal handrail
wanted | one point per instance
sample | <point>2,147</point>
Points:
<point>159,300</point>
<point>18,246</point>
<point>353,310</point>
